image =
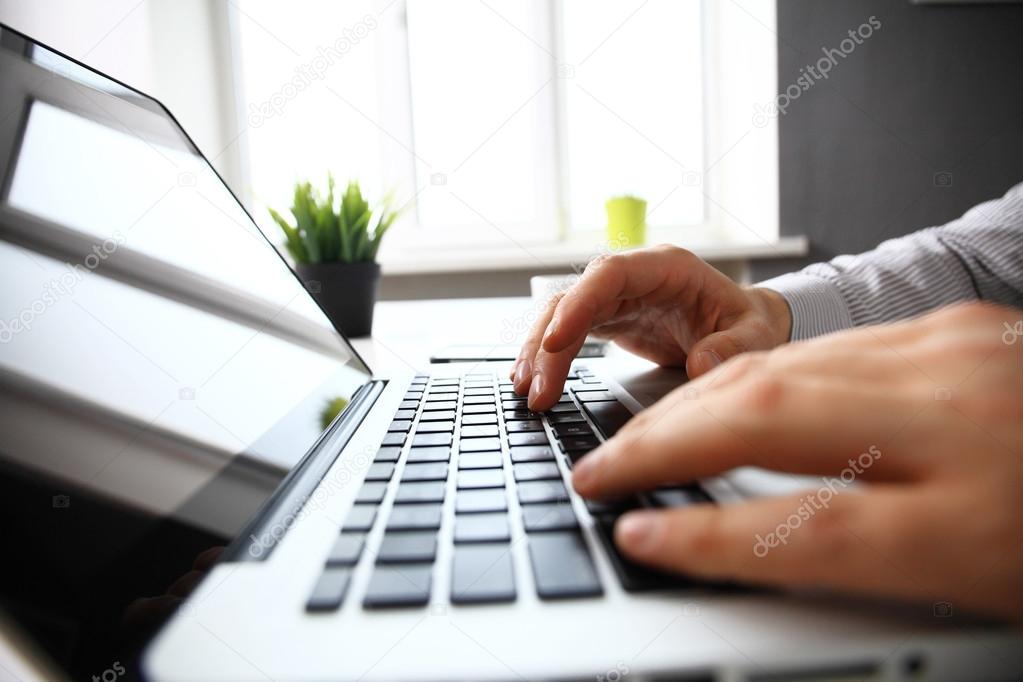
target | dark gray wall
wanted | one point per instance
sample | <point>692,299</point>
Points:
<point>936,90</point>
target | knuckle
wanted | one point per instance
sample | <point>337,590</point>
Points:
<point>765,393</point>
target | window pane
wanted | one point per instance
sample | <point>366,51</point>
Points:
<point>481,83</point>
<point>310,79</point>
<point>634,107</point>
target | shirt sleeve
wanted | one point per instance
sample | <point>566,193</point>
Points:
<point>977,257</point>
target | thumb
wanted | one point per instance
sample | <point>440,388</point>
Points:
<point>713,349</point>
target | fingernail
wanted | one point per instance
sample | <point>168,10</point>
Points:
<point>522,372</point>
<point>639,532</point>
<point>552,329</point>
<point>535,389</point>
<point>709,359</point>
<point>584,472</point>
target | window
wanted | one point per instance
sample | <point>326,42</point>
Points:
<point>510,122</point>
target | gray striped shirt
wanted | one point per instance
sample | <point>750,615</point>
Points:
<point>977,257</point>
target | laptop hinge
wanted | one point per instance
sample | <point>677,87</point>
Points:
<point>269,525</point>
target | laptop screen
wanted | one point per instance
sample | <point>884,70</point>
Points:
<point>161,369</point>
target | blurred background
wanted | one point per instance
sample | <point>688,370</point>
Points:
<point>502,126</point>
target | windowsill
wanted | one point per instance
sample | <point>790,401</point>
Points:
<point>565,255</point>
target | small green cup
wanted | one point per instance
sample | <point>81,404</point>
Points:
<point>626,221</point>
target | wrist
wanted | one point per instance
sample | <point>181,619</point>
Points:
<point>773,307</point>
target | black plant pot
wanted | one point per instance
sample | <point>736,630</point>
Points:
<point>347,293</point>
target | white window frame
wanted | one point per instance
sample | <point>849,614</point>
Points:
<point>739,181</point>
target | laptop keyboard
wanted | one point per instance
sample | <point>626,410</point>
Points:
<point>475,429</point>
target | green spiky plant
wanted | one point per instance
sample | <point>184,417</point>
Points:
<point>349,233</point>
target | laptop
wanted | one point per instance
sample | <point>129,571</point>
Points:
<point>203,480</point>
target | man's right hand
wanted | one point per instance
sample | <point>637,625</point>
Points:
<point>661,303</point>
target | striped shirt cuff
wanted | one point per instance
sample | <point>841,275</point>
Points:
<point>816,305</point>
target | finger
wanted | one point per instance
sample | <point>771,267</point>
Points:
<point>549,373</point>
<point>522,370</point>
<point>748,334</point>
<point>823,538</point>
<point>768,422</point>
<point>659,272</point>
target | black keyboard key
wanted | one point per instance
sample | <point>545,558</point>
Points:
<point>405,414</point>
<point>480,431</point>
<point>408,547</point>
<point>608,416</point>
<point>414,395</point>
<point>634,577</point>
<point>565,418</point>
<point>564,407</point>
<point>388,454</point>
<point>414,493</point>
<point>594,396</point>
<point>479,444</point>
<point>477,419</point>
<point>480,478</point>
<point>479,409</point>
<point>511,395</point>
<point>539,518</point>
<point>442,393</point>
<point>360,519</point>
<point>425,471</point>
<point>520,415</point>
<point>478,400</point>
<point>475,501</point>
<point>531,453</point>
<point>330,590</point>
<point>430,439</point>
<point>400,426</point>
<point>346,550</point>
<point>437,416</point>
<point>480,460</point>
<point>392,586</point>
<point>438,405</point>
<point>531,438</point>
<point>591,384</point>
<point>394,439</point>
<point>436,427</point>
<point>479,391</point>
<point>678,497</point>
<point>371,493</point>
<point>482,528</point>
<point>446,381</point>
<point>415,517</point>
<point>537,471</point>
<point>578,446</point>
<point>516,404</point>
<point>614,507</point>
<point>482,574</point>
<point>408,405</point>
<point>431,454</point>
<point>569,430</point>
<point>562,566</point>
<point>523,427</point>
<point>536,492</point>
<point>380,471</point>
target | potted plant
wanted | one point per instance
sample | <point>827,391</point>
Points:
<point>335,251</point>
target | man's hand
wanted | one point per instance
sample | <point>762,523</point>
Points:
<point>662,303</point>
<point>927,414</point>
